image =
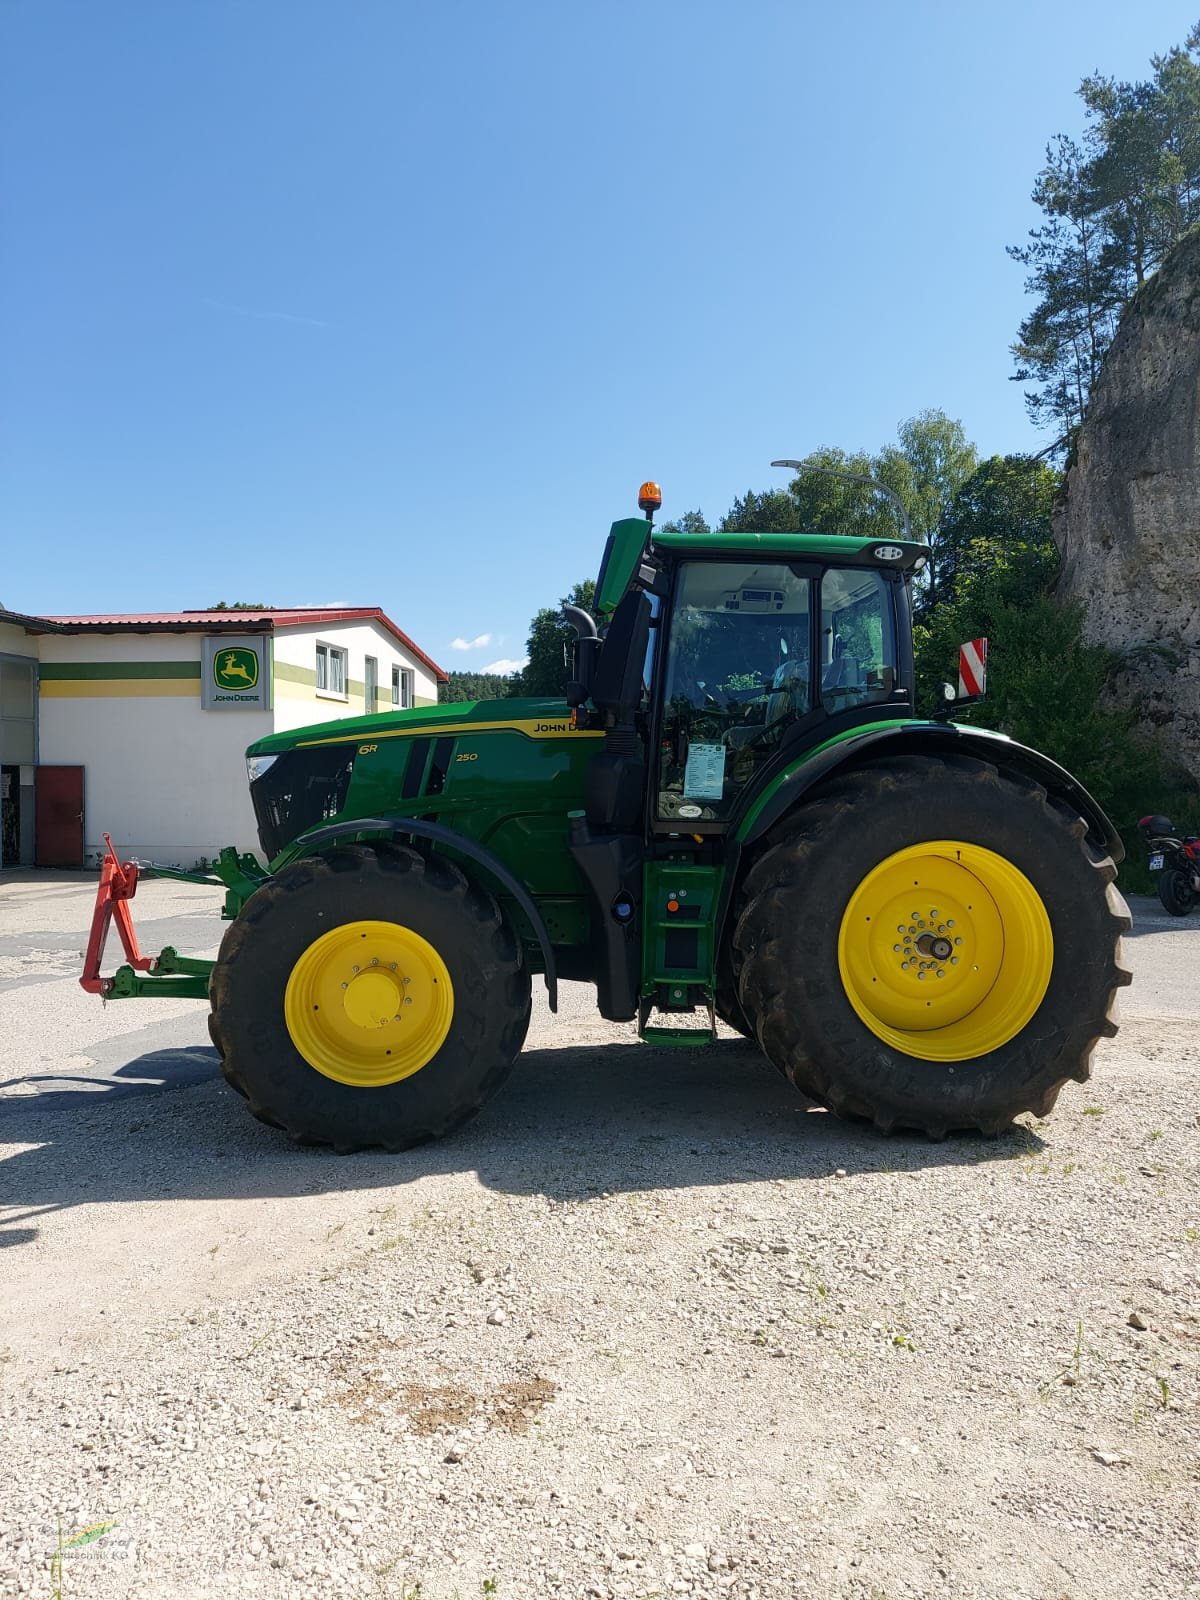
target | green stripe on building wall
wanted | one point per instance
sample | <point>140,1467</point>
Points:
<point>65,671</point>
<point>293,674</point>
<point>356,688</point>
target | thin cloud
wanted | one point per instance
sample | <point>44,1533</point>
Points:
<point>505,666</point>
<point>480,642</point>
<point>266,316</point>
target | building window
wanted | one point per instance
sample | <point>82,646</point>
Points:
<point>331,670</point>
<point>371,686</point>
<point>402,687</point>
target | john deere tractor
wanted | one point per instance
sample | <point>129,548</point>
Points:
<point>733,812</point>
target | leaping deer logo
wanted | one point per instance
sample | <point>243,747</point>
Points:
<point>236,668</point>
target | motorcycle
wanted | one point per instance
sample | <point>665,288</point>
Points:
<point>1177,862</point>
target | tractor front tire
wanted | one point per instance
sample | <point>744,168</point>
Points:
<point>933,945</point>
<point>369,997</point>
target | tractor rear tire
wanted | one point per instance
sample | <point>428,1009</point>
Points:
<point>968,1006</point>
<point>312,989</point>
<point>729,1008</point>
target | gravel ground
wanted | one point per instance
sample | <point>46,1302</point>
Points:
<point>648,1327</point>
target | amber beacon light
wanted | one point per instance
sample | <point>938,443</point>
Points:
<point>649,498</point>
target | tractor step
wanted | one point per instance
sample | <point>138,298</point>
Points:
<point>678,1037</point>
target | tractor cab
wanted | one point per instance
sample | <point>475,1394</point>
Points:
<point>722,661</point>
<point>727,654</point>
<point>758,656</point>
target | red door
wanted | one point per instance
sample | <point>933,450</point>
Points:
<point>58,816</point>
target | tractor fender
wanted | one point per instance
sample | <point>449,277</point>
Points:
<point>316,839</point>
<point>878,744</point>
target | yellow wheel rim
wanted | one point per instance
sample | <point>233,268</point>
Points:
<point>369,1003</point>
<point>945,951</point>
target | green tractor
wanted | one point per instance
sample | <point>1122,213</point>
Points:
<point>733,812</point>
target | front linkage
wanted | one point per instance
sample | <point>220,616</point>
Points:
<point>168,974</point>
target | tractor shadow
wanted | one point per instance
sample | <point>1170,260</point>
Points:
<point>572,1123</point>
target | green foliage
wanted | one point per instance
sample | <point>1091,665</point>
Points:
<point>473,686</point>
<point>1114,204</point>
<point>549,646</point>
<point>926,469</point>
<point>689,522</point>
<point>1046,684</point>
<point>238,605</point>
<point>1000,516</point>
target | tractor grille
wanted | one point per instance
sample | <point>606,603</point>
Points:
<point>301,790</point>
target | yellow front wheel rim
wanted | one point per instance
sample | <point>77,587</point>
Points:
<point>945,951</point>
<point>369,1003</point>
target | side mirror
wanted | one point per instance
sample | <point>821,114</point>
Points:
<point>617,681</point>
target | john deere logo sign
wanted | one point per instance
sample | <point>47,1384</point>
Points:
<point>236,674</point>
<point>235,669</point>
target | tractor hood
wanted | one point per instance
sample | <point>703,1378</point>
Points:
<point>535,717</point>
<point>433,761</point>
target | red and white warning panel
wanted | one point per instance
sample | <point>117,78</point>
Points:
<point>972,669</point>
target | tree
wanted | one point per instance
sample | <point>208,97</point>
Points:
<point>238,605</point>
<point>473,686</point>
<point>925,469</point>
<point>1000,516</point>
<point>1114,205</point>
<point>1062,341</point>
<point>548,647</point>
<point>689,522</point>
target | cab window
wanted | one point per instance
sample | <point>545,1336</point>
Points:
<point>738,673</point>
<point>858,644</point>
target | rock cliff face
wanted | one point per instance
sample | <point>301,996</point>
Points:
<point>1129,532</point>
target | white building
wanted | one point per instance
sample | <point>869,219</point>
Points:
<point>137,725</point>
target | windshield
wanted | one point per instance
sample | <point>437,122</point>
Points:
<point>738,673</point>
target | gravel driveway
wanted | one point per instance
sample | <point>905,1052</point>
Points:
<point>648,1327</point>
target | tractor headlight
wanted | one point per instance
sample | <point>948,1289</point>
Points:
<point>258,766</point>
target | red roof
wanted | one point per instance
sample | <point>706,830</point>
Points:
<point>235,622</point>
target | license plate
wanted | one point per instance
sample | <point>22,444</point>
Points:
<point>1156,863</point>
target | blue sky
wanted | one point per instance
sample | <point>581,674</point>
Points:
<point>396,304</point>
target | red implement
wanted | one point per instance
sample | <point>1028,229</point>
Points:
<point>118,885</point>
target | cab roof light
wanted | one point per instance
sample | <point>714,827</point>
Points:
<point>649,499</point>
